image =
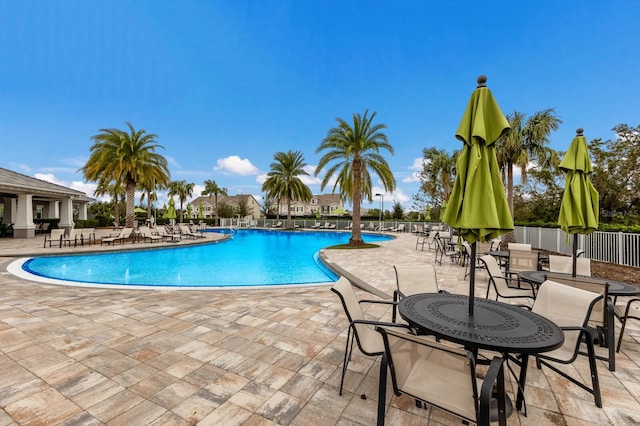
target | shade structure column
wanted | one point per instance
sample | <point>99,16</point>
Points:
<point>24,226</point>
<point>66,215</point>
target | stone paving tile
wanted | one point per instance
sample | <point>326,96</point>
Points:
<point>250,357</point>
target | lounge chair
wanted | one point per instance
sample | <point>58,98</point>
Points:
<point>278,225</point>
<point>316,225</point>
<point>185,231</point>
<point>400,228</point>
<point>146,234</point>
<point>123,235</point>
<point>57,235</point>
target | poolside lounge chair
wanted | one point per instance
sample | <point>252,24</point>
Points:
<point>316,225</point>
<point>185,231</point>
<point>278,225</point>
<point>87,235</point>
<point>56,235</point>
<point>146,234</point>
<point>123,235</point>
<point>400,228</point>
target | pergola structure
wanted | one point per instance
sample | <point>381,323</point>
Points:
<point>25,198</point>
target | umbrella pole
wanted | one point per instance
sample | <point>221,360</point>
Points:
<point>472,278</point>
<point>575,251</point>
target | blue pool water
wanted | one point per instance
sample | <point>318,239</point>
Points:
<point>250,258</point>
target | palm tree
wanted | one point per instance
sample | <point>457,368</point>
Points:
<point>283,180</point>
<point>126,159</point>
<point>182,190</point>
<point>149,188</point>
<point>356,150</point>
<point>438,173</point>
<point>212,188</point>
<point>116,192</point>
<point>527,141</point>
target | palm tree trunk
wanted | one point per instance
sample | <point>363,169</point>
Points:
<point>116,209</point>
<point>131,194</point>
<point>356,235</point>
<point>289,213</point>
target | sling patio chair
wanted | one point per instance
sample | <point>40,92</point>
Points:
<point>565,264</point>
<point>445,249</point>
<point>625,312</point>
<point>601,320</point>
<point>414,279</point>
<point>570,308</point>
<point>58,236</point>
<point>442,375</point>
<point>360,329</point>
<point>499,282</point>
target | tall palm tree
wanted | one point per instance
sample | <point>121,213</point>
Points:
<point>283,181</point>
<point>355,151</point>
<point>212,188</point>
<point>126,158</point>
<point>527,141</point>
<point>182,190</point>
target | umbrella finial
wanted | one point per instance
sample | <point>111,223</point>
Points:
<point>482,81</point>
<point>579,131</point>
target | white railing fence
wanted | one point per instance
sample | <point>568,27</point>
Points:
<point>612,247</point>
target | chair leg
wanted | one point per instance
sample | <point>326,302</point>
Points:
<point>382,390</point>
<point>347,356</point>
<point>623,322</point>
<point>595,382</point>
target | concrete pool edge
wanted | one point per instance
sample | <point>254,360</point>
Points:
<point>338,270</point>
<point>15,268</point>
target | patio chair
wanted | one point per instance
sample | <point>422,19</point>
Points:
<point>278,225</point>
<point>570,308</point>
<point>500,284</point>
<point>123,235</point>
<point>565,264</point>
<point>369,342</point>
<point>466,257</point>
<point>414,279</point>
<point>602,316</point>
<point>625,312</point>
<point>448,250</point>
<point>442,375</point>
<point>519,246</point>
<point>522,260</point>
<point>495,244</point>
<point>399,228</point>
<point>145,234</point>
<point>57,235</point>
<point>87,235</point>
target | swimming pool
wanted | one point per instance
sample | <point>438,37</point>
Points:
<point>249,258</point>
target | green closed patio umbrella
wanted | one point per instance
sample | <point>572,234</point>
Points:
<point>189,211</point>
<point>171,211</point>
<point>478,205</point>
<point>580,200</point>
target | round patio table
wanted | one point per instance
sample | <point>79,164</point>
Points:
<point>494,326</point>
<point>616,288</point>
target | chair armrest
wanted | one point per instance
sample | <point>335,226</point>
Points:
<point>381,302</point>
<point>382,323</point>
<point>493,373</point>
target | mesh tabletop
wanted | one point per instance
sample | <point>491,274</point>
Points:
<point>494,325</point>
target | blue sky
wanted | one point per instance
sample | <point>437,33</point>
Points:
<point>226,84</point>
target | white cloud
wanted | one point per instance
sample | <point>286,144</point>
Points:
<point>87,188</point>
<point>48,177</point>
<point>261,178</point>
<point>237,166</point>
<point>415,168</point>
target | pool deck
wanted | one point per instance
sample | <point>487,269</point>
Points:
<point>91,356</point>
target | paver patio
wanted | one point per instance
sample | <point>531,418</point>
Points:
<point>91,356</point>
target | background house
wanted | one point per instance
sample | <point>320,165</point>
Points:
<point>326,204</point>
<point>209,205</point>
